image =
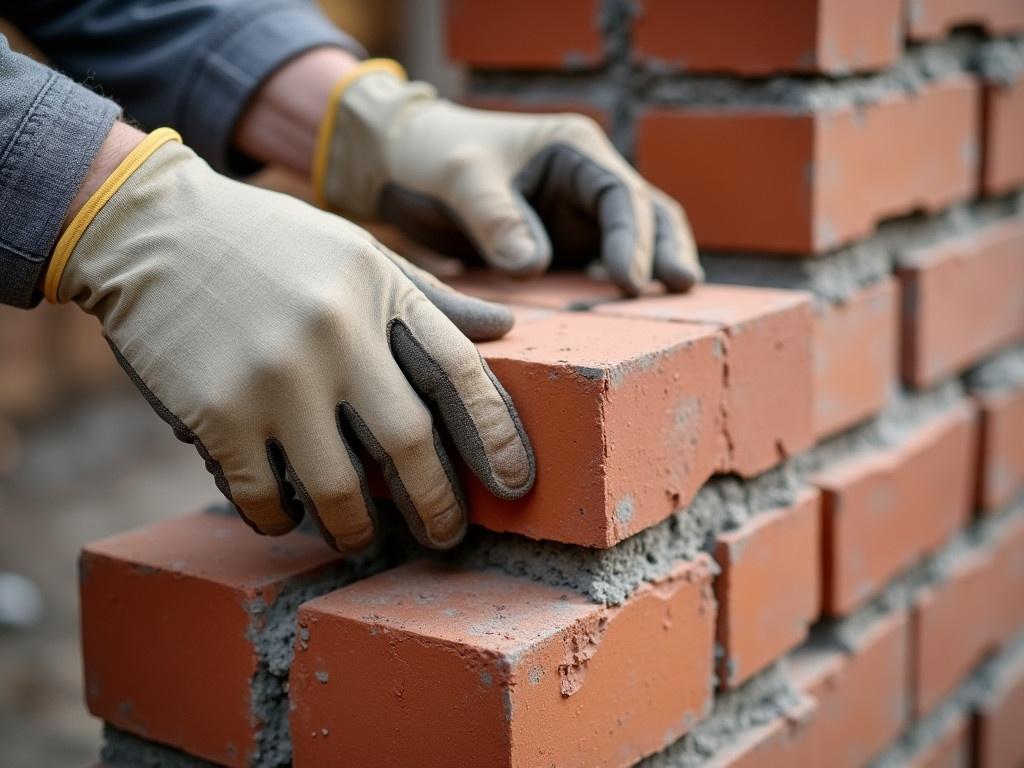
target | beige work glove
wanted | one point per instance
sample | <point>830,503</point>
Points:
<point>517,190</point>
<point>273,335</point>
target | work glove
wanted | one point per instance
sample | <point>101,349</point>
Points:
<point>512,189</point>
<point>276,337</point>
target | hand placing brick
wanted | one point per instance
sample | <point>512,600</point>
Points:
<point>429,665</point>
<point>625,420</point>
<point>176,621</point>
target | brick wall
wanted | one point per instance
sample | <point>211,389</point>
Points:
<point>777,521</point>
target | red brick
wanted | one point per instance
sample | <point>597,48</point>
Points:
<point>624,417</point>
<point>952,748</point>
<point>962,299</point>
<point>930,19</point>
<point>528,34</point>
<point>833,36</point>
<point>775,179</point>
<point>855,354</point>
<point>1008,566</point>
<point>168,613</point>
<point>1001,469</point>
<point>1003,166</point>
<point>952,628</point>
<point>769,398</point>
<point>862,696</point>
<point>1000,737</point>
<point>428,665</point>
<point>769,590</point>
<point>884,510</point>
<point>772,745</point>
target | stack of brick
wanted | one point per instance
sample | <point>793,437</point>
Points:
<point>777,521</point>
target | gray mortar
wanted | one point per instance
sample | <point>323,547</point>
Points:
<point>1003,371</point>
<point>759,701</point>
<point>610,575</point>
<point>1001,61</point>
<point>125,750</point>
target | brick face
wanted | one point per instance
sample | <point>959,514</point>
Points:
<point>479,668</point>
<point>885,509</point>
<point>1000,738</point>
<point>961,301</point>
<point>950,749</point>
<point>855,357</point>
<point>624,416</point>
<point>829,176</point>
<point>1003,168</point>
<point>169,614</point>
<point>1001,465</point>
<point>529,34</point>
<point>769,398</point>
<point>766,37</point>
<point>769,590</point>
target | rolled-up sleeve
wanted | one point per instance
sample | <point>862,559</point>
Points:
<point>190,64</point>
<point>50,129</point>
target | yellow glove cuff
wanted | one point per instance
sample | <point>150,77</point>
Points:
<point>99,198</point>
<point>323,137</point>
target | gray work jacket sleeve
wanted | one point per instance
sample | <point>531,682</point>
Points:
<point>189,64</point>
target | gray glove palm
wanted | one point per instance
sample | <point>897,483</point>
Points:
<point>513,189</point>
<point>273,335</point>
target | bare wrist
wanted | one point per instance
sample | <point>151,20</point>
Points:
<point>121,140</point>
<point>280,125</point>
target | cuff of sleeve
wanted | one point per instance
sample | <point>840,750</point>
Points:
<point>242,57</point>
<point>40,173</point>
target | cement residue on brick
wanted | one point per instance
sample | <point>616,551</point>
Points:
<point>125,750</point>
<point>761,700</point>
<point>1001,372</point>
<point>610,575</point>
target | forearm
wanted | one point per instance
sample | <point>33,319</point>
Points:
<point>281,123</point>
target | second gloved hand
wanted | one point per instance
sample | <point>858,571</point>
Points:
<point>274,336</point>
<point>516,190</point>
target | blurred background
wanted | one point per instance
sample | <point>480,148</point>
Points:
<point>82,455</point>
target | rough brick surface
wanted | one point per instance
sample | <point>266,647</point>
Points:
<point>885,509</point>
<point>432,666</point>
<point>170,613</point>
<point>855,354</point>
<point>625,420</point>
<point>962,299</point>
<point>763,36</point>
<point>1001,466</point>
<point>775,744</point>
<point>769,399</point>
<point>1003,167</point>
<point>554,290</point>
<point>769,589</point>
<point>952,628</point>
<point>930,19</point>
<point>1008,581</point>
<point>528,34</point>
<point>1000,737</point>
<point>795,182</point>
<point>861,696</point>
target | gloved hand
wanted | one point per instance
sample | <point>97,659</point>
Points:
<point>272,335</point>
<point>510,188</point>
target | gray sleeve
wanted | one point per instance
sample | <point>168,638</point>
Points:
<point>190,64</point>
<point>50,129</point>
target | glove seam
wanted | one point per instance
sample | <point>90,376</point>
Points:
<point>80,223</point>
